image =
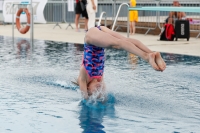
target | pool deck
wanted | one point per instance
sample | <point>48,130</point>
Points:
<point>46,32</point>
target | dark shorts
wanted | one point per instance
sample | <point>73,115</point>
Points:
<point>78,10</point>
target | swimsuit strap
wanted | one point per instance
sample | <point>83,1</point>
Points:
<point>99,27</point>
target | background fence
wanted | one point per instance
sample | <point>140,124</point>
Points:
<point>57,11</point>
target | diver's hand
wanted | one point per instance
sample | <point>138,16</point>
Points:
<point>84,95</point>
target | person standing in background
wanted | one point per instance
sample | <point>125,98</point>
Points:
<point>78,11</point>
<point>91,10</point>
<point>173,16</point>
<point>133,17</point>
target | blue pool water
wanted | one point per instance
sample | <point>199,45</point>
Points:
<point>37,96</point>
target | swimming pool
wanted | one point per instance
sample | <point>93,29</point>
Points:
<point>36,93</point>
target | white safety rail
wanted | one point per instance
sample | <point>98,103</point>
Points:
<point>106,6</point>
<point>145,17</point>
<point>100,19</point>
<point>117,16</point>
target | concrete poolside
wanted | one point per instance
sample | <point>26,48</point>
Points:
<point>46,32</point>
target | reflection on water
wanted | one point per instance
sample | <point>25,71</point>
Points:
<point>133,59</point>
<point>181,59</point>
<point>23,48</point>
<point>92,115</point>
<point>40,97</point>
<point>91,120</point>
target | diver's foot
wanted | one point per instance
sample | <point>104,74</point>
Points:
<point>151,61</point>
<point>160,62</point>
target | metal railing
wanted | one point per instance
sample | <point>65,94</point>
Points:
<point>56,11</point>
<point>158,16</point>
<point>144,16</point>
<point>102,14</point>
<point>192,21</point>
<point>116,18</point>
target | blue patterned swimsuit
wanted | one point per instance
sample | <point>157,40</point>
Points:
<point>93,60</point>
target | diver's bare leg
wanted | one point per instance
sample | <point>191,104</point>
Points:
<point>136,42</point>
<point>102,39</point>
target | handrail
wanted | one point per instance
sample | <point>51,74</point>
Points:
<point>99,23</point>
<point>128,19</point>
<point>198,35</point>
<point>118,14</point>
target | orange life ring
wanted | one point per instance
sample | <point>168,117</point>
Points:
<point>21,29</point>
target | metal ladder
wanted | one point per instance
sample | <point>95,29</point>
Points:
<point>157,14</point>
<point>99,23</point>
<point>118,15</point>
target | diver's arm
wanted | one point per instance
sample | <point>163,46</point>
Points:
<point>83,88</point>
<point>82,81</point>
